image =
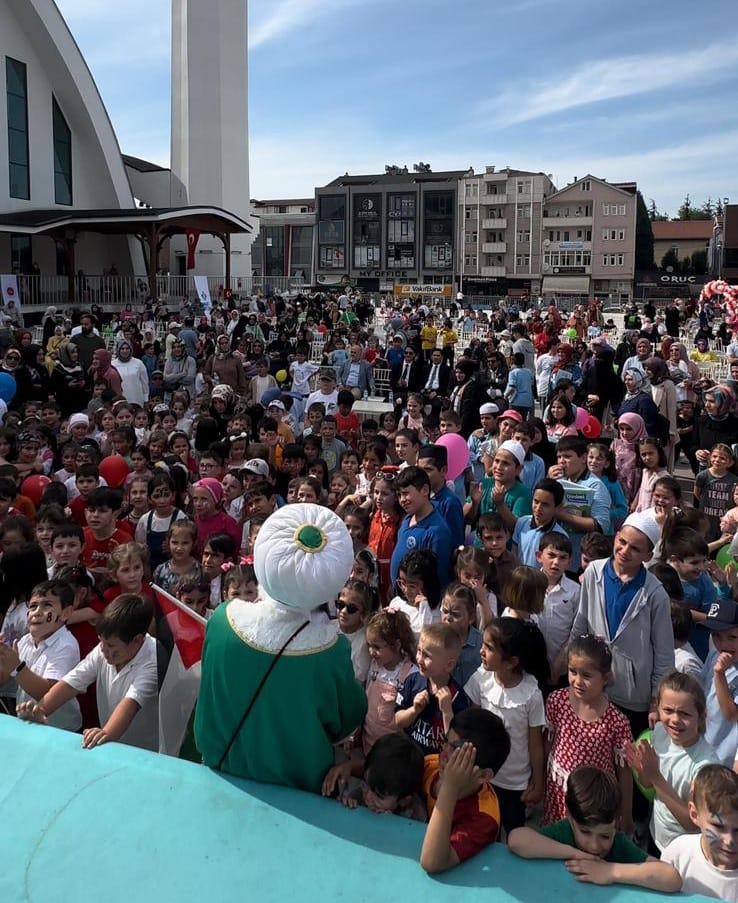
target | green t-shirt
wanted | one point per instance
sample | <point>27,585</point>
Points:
<point>623,848</point>
<point>518,498</point>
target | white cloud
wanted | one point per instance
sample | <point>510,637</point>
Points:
<point>287,15</point>
<point>612,78</point>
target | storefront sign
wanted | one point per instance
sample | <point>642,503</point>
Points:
<point>438,290</point>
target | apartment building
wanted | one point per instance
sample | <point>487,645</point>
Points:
<point>284,245</point>
<point>390,232</point>
<point>500,231</point>
<point>589,237</point>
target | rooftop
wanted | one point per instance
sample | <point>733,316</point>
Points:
<point>142,165</point>
<point>682,228</point>
<point>399,178</point>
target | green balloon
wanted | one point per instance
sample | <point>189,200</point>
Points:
<point>723,557</point>
<point>648,792</point>
<point>571,332</point>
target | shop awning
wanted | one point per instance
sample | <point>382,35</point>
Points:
<point>566,285</point>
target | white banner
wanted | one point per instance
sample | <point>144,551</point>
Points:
<point>9,286</point>
<point>203,292</point>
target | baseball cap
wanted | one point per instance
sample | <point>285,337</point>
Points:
<point>509,414</point>
<point>258,466</point>
<point>276,403</point>
<point>722,615</point>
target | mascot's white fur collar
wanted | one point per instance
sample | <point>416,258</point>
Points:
<point>267,624</point>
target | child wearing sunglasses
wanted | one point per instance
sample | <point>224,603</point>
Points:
<point>353,606</point>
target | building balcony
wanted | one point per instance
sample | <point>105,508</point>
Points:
<point>493,272</point>
<point>494,224</point>
<point>552,221</point>
<point>497,200</point>
<point>494,247</point>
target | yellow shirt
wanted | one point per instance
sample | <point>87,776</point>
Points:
<point>449,337</point>
<point>428,337</point>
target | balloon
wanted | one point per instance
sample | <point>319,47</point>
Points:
<point>592,429</point>
<point>7,387</point>
<point>648,792</point>
<point>581,418</point>
<point>281,376</point>
<point>571,333</point>
<point>723,557</point>
<point>114,471</point>
<point>458,454</point>
<point>33,487</point>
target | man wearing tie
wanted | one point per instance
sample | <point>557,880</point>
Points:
<point>407,376</point>
<point>437,376</point>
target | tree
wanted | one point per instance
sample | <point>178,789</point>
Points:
<point>670,259</point>
<point>708,209</point>
<point>655,215</point>
<point>686,211</point>
<point>698,263</point>
<point>643,237</point>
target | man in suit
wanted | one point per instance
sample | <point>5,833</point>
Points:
<point>436,379</point>
<point>356,373</point>
<point>407,376</point>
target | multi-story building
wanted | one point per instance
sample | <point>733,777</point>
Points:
<point>500,237</point>
<point>589,237</point>
<point>284,245</point>
<point>393,232</point>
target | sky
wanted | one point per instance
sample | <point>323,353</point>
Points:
<point>633,90</point>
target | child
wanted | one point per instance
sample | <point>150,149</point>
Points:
<point>332,448</point>
<point>651,458</point>
<point>357,523</point>
<point>589,839</point>
<point>548,495</point>
<point>463,807</point>
<point>46,653</point>
<point>123,666</point>
<point>506,685</point>
<point>533,467</point>
<point>418,591</point>
<point>353,607</point>
<point>686,551</point>
<point>559,418</point>
<point>153,528</point>
<point>392,775</point>
<point>459,611</point>
<point>310,491</point>
<point>686,659</point>
<point>433,459</point>
<point>207,498</point>
<point>412,419</point>
<point>674,756</point>
<point>407,446</point>
<point>631,429</point>
<point>301,370</point>
<point>219,550</point>
<point>562,599</point>
<point>383,528</point>
<point>101,533</point>
<point>49,518</point>
<point>430,698</point>
<point>473,570</point>
<point>240,582</point>
<point>128,566</point>
<point>138,502</point>
<point>86,480</point>
<point>391,646</point>
<point>720,679</point>
<point>66,546</point>
<point>714,487</point>
<point>347,422</point>
<point>585,728</point>
<point>525,594</point>
<point>314,419</point>
<point>601,463</point>
<point>594,547</point>
<point>494,537</point>
<point>708,861</point>
<point>195,594</point>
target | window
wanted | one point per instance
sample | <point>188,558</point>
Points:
<point>471,190</point>
<point>438,229</point>
<point>274,251</point>
<point>470,238</point>
<point>605,209</point>
<point>621,234</point>
<point>470,260</point>
<point>468,212</point>
<point>522,260</point>
<point>333,207</point>
<point>17,101</point>
<point>62,157</point>
<point>621,259</point>
<point>524,237</point>
<point>524,212</point>
<point>301,249</point>
<point>21,254</point>
<point>367,230</point>
<point>332,231</point>
<point>585,185</point>
<point>605,234</point>
<point>621,209</point>
<point>524,186</point>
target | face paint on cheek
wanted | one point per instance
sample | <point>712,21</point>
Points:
<point>711,837</point>
<point>49,617</point>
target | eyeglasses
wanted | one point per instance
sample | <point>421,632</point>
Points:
<point>351,609</point>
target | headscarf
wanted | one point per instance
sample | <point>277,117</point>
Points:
<point>658,368</point>
<point>213,487</point>
<point>102,359</point>
<point>682,349</point>
<point>724,398</point>
<point>565,357</point>
<point>638,380</point>
<point>65,362</point>
<point>636,423</point>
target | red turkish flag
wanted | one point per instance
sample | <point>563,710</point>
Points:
<point>193,236</point>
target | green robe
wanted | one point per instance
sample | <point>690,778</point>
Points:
<point>310,701</point>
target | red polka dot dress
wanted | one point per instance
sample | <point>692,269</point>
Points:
<point>576,742</point>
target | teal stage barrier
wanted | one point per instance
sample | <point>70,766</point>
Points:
<point>120,825</point>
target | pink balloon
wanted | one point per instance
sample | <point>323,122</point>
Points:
<point>581,418</point>
<point>458,453</point>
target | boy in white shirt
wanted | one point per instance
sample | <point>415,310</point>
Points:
<point>46,653</point>
<point>562,598</point>
<point>301,370</point>
<point>124,668</point>
<point>708,861</point>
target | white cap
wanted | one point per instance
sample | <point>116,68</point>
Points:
<point>257,466</point>
<point>646,524</point>
<point>489,408</point>
<point>515,449</point>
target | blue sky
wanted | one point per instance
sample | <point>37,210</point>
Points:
<point>639,90</point>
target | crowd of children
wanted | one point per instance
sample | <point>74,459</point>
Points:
<point>517,627</point>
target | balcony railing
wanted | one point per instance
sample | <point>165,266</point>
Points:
<point>494,247</point>
<point>494,224</point>
<point>494,199</point>
<point>493,272</point>
<point>115,292</point>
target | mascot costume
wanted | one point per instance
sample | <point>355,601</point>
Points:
<point>278,688</point>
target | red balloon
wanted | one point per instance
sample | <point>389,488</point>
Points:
<point>33,487</point>
<point>114,471</point>
<point>592,429</point>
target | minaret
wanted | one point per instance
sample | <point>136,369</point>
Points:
<point>210,141</point>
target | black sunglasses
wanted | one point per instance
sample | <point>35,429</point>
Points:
<point>350,608</point>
